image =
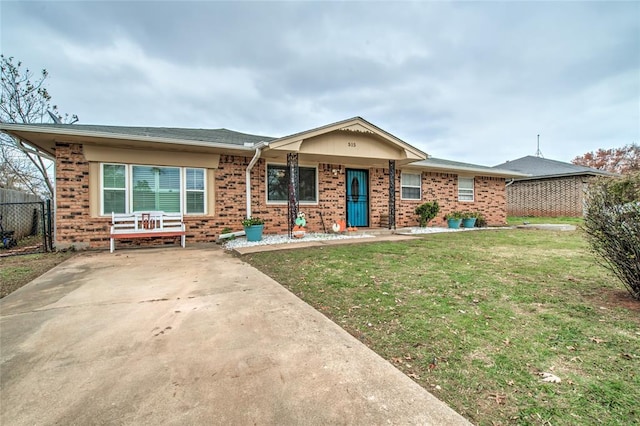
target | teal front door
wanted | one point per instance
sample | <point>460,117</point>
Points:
<point>357,198</point>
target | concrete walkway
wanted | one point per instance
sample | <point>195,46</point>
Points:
<point>188,336</point>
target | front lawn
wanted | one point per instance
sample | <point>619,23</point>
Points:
<point>520,220</point>
<point>477,317</point>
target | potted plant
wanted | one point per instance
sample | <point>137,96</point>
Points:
<point>469,219</point>
<point>253,227</point>
<point>453,219</point>
<point>426,212</point>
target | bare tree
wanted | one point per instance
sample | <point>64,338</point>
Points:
<point>24,99</point>
<point>616,160</point>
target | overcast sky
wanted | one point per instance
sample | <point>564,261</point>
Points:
<point>465,81</point>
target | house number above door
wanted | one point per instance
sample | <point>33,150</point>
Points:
<point>351,144</point>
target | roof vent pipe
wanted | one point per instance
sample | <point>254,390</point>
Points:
<point>252,163</point>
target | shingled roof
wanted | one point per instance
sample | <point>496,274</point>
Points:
<point>538,167</point>
<point>217,136</point>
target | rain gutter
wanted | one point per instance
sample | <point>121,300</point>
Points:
<point>254,160</point>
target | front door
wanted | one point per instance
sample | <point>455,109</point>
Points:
<point>357,198</point>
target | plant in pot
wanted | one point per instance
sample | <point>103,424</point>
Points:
<point>253,227</point>
<point>453,219</point>
<point>426,212</point>
<point>469,219</point>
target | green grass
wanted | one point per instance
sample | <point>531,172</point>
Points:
<point>519,220</point>
<point>495,309</point>
<point>16,271</point>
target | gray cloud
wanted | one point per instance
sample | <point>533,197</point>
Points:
<point>467,81</point>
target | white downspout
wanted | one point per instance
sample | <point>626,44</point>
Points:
<point>254,160</point>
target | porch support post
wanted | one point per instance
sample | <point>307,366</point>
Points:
<point>392,194</point>
<point>293,201</point>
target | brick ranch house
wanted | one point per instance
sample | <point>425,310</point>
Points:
<point>551,189</point>
<point>218,177</point>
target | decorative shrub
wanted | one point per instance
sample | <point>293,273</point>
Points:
<point>427,212</point>
<point>251,221</point>
<point>612,227</point>
<point>481,221</point>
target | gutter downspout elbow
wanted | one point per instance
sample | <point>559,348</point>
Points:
<point>252,163</point>
<point>510,182</point>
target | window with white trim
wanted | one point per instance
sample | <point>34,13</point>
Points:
<point>465,189</point>
<point>130,188</point>
<point>194,188</point>
<point>411,186</point>
<point>278,184</point>
<point>114,188</point>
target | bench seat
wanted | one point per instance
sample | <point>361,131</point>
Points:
<point>146,225</point>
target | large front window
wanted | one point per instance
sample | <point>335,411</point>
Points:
<point>133,188</point>
<point>278,184</point>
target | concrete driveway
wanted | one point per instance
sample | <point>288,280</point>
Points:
<point>188,336</point>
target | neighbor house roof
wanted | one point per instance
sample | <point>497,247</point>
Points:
<point>538,168</point>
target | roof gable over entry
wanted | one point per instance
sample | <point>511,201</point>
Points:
<point>354,140</point>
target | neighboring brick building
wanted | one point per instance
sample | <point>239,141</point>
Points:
<point>553,188</point>
<point>209,176</point>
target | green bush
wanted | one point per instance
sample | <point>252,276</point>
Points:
<point>612,226</point>
<point>427,212</point>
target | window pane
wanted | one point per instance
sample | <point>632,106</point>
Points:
<point>195,202</point>
<point>307,184</point>
<point>410,179</point>
<point>465,183</point>
<point>410,193</point>
<point>465,189</point>
<point>114,201</point>
<point>195,179</point>
<point>113,176</point>
<point>169,201</point>
<point>277,183</point>
<point>168,178</point>
<point>156,188</point>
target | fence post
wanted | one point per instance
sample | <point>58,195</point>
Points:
<point>48,227</point>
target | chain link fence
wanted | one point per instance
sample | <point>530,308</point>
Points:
<point>25,227</point>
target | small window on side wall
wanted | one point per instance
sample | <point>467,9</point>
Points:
<point>465,189</point>
<point>411,184</point>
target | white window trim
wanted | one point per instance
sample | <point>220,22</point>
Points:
<point>281,203</point>
<point>126,187</point>
<point>402,185</point>
<point>204,190</point>
<point>473,189</point>
<point>128,174</point>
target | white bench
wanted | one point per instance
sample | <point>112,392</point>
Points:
<point>146,225</point>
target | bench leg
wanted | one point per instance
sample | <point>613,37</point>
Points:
<point>183,239</point>
<point>112,245</point>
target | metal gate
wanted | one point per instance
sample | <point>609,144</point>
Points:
<point>357,197</point>
<point>25,228</point>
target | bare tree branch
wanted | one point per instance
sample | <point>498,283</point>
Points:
<point>24,99</point>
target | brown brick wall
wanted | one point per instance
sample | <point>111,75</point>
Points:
<point>75,226</point>
<point>489,199</point>
<point>547,197</point>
